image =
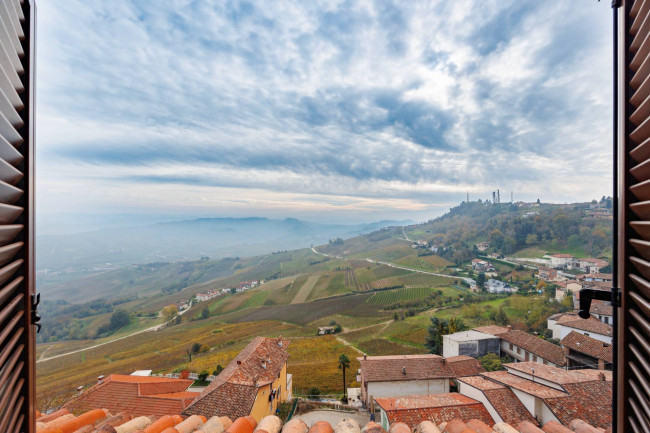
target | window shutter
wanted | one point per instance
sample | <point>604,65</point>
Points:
<point>17,341</point>
<point>632,404</point>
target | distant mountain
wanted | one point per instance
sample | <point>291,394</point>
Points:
<point>189,240</point>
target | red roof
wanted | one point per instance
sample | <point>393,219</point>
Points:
<point>591,324</point>
<point>535,345</point>
<point>233,392</point>
<point>136,395</point>
<point>416,367</point>
<point>556,375</point>
<point>503,400</point>
<point>562,256</point>
<point>588,346</point>
<point>438,408</point>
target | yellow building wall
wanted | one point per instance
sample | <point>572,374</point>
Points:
<point>262,406</point>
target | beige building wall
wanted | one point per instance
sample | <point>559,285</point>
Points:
<point>262,406</point>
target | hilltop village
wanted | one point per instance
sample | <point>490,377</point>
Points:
<point>432,328</point>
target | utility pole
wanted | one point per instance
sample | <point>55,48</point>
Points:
<point>511,200</point>
<point>467,196</point>
<point>498,197</point>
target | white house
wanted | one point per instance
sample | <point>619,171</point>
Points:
<point>469,343</point>
<point>523,347</point>
<point>402,375</point>
<point>496,286</point>
<point>563,324</point>
<point>561,260</point>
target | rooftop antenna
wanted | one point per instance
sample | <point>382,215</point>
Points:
<point>498,196</point>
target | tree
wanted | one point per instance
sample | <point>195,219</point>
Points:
<point>217,370</point>
<point>205,313</point>
<point>119,319</point>
<point>188,351</point>
<point>169,312</point>
<point>203,375</point>
<point>438,328</point>
<point>314,392</point>
<point>491,362</point>
<point>500,317</point>
<point>480,280</point>
<point>344,362</point>
<point>196,347</point>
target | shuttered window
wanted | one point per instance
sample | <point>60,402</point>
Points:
<point>633,183</point>
<point>17,348</point>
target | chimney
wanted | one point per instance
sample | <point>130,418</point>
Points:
<point>100,379</point>
<point>601,377</point>
<point>365,356</point>
<point>264,364</point>
<point>80,390</point>
<point>444,361</point>
<point>509,328</point>
<point>404,371</point>
<point>279,341</point>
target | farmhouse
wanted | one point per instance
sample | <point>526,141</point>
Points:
<point>481,265</point>
<point>324,330</point>
<point>482,246</point>
<point>254,383</point>
<point>135,395</point>
<point>436,407</point>
<point>561,260</point>
<point>400,375</point>
<point>469,343</point>
<point>591,265</point>
<point>600,278</point>
<point>497,286</point>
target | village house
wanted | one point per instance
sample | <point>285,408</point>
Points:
<point>581,351</point>
<point>401,375</point>
<point>254,383</point>
<point>437,408</point>
<point>523,347</point>
<point>561,260</point>
<point>554,394</point>
<point>599,278</point>
<point>470,343</point>
<point>481,265</point>
<point>497,286</point>
<point>500,401</point>
<point>564,288</point>
<point>602,311</point>
<point>563,324</point>
<point>546,273</point>
<point>591,265</point>
<point>135,395</point>
<point>482,246</point>
<point>324,330</point>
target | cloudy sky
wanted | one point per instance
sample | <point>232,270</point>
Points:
<point>324,110</point>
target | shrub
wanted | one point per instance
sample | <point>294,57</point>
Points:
<point>314,392</point>
<point>203,375</point>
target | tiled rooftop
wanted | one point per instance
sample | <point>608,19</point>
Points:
<point>557,375</point>
<point>481,383</point>
<point>590,325</point>
<point>233,392</point>
<point>588,346</point>
<point>438,408</point>
<point>467,416</point>
<point>525,385</point>
<point>535,345</point>
<point>136,395</point>
<point>492,329</point>
<point>417,367</point>
<point>601,308</point>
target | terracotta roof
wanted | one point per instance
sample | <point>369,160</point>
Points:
<point>492,329</point>
<point>589,325</point>
<point>232,393</point>
<point>588,346</point>
<point>562,256</point>
<point>601,308</point>
<point>525,385</point>
<point>416,367</point>
<point>555,375</point>
<point>438,408</point>
<point>535,345</point>
<point>588,401</point>
<point>136,395</point>
<point>469,416</point>
<point>503,400</point>
<point>598,262</point>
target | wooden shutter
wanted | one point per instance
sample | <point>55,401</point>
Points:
<point>632,404</point>
<point>17,348</point>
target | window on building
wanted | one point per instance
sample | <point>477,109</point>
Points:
<point>518,351</point>
<point>511,346</point>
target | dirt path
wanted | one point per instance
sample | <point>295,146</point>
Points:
<point>347,343</point>
<point>305,290</point>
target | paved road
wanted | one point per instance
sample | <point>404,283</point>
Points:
<point>153,328</point>
<point>392,265</point>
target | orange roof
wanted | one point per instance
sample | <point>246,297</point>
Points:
<point>179,395</point>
